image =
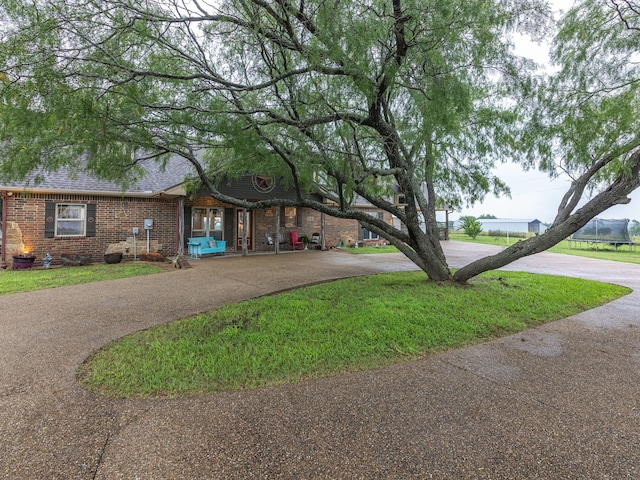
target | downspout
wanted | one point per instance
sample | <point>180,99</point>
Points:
<point>3,252</point>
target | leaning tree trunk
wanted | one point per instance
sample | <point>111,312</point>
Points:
<point>565,224</point>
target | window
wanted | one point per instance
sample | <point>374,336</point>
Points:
<point>366,234</point>
<point>205,222</point>
<point>199,222</point>
<point>71,220</point>
<point>290,217</point>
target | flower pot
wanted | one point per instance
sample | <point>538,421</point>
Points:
<point>113,257</point>
<point>23,262</point>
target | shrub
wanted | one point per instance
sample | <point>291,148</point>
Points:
<point>470,226</point>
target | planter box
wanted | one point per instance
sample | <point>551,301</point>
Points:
<point>23,263</point>
<point>115,257</point>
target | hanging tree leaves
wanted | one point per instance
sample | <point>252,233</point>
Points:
<point>342,99</point>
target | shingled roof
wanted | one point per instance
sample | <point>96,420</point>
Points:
<point>156,180</point>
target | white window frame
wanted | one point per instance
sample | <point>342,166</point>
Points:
<point>81,220</point>
<point>209,223</point>
<point>371,235</point>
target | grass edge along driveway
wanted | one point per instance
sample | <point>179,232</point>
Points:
<point>343,326</point>
<point>16,281</point>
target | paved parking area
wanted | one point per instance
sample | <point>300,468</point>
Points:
<point>558,401</point>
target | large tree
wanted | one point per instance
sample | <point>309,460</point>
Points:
<point>339,98</point>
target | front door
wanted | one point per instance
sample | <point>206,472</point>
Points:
<point>242,227</point>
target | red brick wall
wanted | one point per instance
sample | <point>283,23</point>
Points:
<point>115,219</point>
<point>264,221</point>
<point>336,229</point>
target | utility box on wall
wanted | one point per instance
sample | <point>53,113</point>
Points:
<point>148,223</point>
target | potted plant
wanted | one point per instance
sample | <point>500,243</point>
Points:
<point>113,257</point>
<point>305,240</point>
<point>23,261</point>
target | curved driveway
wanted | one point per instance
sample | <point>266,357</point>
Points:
<point>558,401</point>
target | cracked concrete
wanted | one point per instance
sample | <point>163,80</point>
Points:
<point>557,401</point>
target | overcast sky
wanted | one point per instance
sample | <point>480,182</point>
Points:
<point>533,194</point>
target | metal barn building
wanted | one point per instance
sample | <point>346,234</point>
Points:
<point>512,225</point>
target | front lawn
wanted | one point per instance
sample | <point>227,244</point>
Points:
<point>344,326</point>
<point>14,281</point>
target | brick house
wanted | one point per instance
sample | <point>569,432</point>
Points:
<point>81,214</point>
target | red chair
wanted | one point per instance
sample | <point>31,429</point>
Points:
<point>295,242</point>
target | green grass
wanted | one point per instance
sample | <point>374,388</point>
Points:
<point>604,252</point>
<point>348,325</point>
<point>14,281</point>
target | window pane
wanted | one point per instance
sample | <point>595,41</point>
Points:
<point>69,227</point>
<point>368,235</point>
<point>216,224</point>
<point>70,220</point>
<point>71,212</point>
<point>198,219</point>
<point>290,216</point>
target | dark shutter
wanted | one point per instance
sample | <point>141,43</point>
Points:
<point>91,220</point>
<point>229,216</point>
<point>283,219</point>
<point>49,219</point>
<point>187,224</point>
<point>299,217</point>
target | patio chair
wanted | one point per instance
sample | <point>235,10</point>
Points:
<point>269,241</point>
<point>315,239</point>
<point>295,241</point>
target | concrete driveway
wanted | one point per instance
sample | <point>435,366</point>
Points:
<point>558,401</point>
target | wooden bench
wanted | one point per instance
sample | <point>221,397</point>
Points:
<point>205,245</point>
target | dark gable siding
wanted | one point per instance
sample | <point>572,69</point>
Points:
<point>244,189</point>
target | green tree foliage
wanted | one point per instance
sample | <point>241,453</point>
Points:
<point>341,99</point>
<point>470,226</point>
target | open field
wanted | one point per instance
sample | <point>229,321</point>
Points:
<point>603,251</point>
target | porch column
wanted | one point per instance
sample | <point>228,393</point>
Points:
<point>244,232</point>
<point>276,240</point>
<point>3,235</point>
<point>180,249</point>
